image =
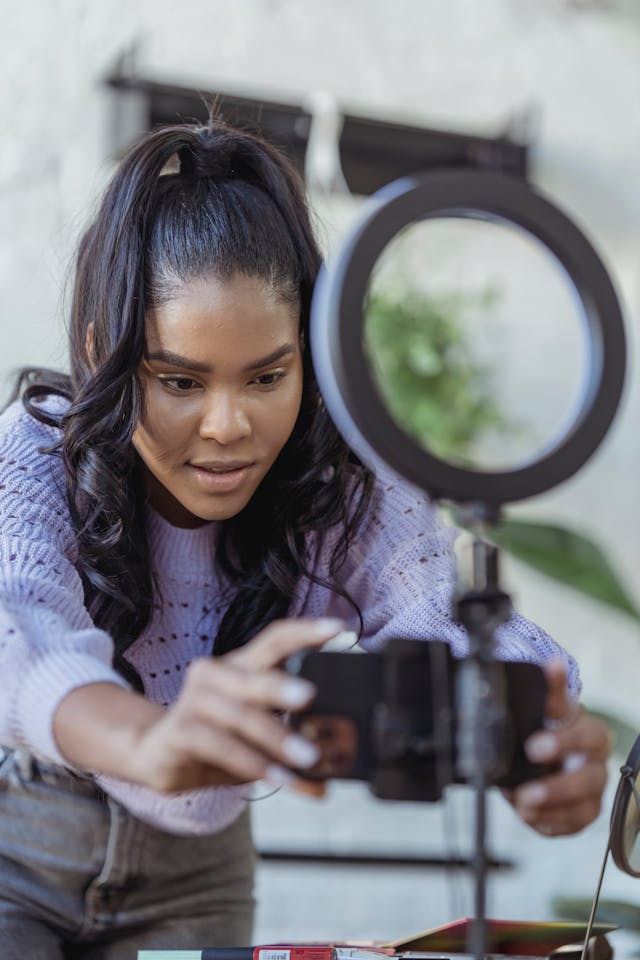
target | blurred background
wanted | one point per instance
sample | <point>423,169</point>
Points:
<point>361,91</point>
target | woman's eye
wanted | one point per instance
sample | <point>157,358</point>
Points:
<point>269,379</point>
<point>178,384</point>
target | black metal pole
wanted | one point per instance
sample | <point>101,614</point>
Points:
<point>481,711</point>
<point>479,930</point>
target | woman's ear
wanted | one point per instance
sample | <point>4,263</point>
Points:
<point>88,345</point>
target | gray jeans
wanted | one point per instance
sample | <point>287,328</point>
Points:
<point>82,879</point>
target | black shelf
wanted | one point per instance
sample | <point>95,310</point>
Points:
<point>373,152</point>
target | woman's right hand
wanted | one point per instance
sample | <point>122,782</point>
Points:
<point>222,728</point>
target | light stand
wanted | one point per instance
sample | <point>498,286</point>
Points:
<point>355,403</point>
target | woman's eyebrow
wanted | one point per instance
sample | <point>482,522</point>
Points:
<point>186,363</point>
<point>175,360</point>
<point>284,351</point>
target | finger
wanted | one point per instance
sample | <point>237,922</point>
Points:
<point>272,689</point>
<point>508,794</point>
<point>256,727</point>
<point>284,637</point>
<point>562,820</point>
<point>195,755</point>
<point>562,790</point>
<point>559,705</point>
<point>585,735</point>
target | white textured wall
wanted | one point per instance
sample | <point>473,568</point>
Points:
<point>460,64</point>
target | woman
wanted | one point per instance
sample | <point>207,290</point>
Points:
<point>183,493</point>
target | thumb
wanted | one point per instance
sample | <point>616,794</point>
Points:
<point>558,704</point>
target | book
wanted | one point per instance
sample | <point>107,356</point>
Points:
<point>275,951</point>
<point>525,938</point>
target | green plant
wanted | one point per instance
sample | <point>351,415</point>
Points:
<point>567,557</point>
<point>430,381</point>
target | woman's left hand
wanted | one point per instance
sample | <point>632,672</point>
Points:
<point>564,802</point>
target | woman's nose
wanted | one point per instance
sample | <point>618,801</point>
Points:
<point>224,419</point>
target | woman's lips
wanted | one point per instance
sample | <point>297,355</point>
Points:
<point>221,479</point>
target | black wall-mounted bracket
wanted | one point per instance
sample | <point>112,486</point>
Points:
<point>372,151</point>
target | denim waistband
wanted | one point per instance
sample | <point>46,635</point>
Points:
<point>20,764</point>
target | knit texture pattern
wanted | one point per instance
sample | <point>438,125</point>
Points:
<point>399,570</point>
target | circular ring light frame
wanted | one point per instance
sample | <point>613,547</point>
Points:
<point>625,801</point>
<point>343,370</point>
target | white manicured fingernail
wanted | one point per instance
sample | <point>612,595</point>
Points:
<point>325,626</point>
<point>295,693</point>
<point>573,761</point>
<point>278,776</point>
<point>532,795</point>
<point>541,747</point>
<point>547,829</point>
<point>299,752</point>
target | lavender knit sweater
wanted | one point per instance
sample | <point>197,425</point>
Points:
<point>400,572</point>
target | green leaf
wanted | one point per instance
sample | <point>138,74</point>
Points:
<point>620,912</point>
<point>566,556</point>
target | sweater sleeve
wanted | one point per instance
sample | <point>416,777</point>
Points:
<point>401,572</point>
<point>48,642</point>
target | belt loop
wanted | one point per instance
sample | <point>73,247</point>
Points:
<point>6,766</point>
<point>16,766</point>
<point>25,764</point>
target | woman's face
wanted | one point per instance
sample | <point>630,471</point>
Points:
<point>222,381</point>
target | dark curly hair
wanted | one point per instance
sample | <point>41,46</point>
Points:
<point>188,202</point>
